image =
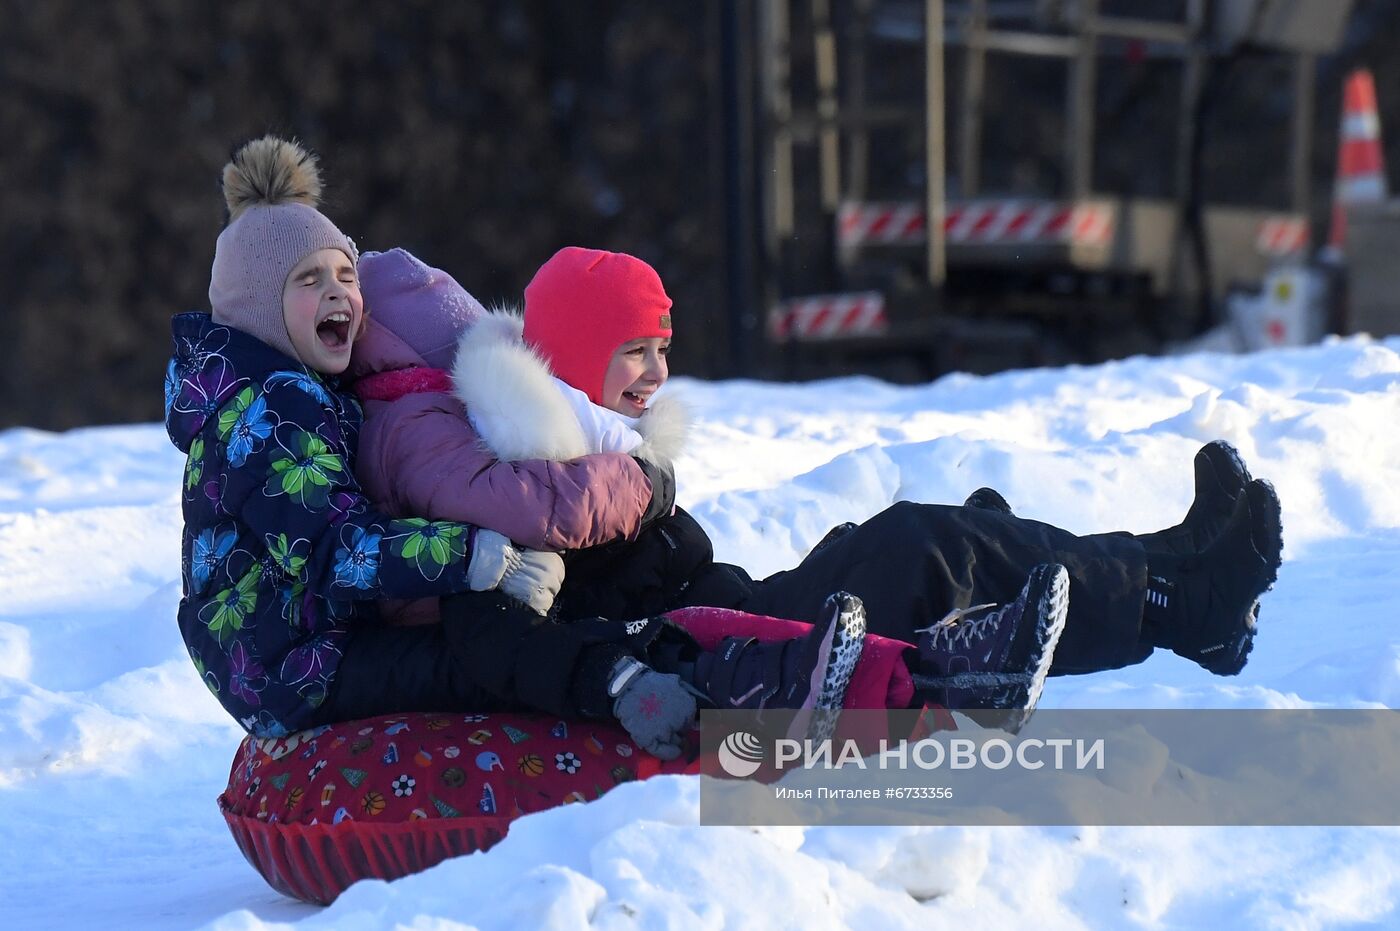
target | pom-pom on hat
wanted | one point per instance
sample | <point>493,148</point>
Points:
<point>271,187</point>
<point>584,303</point>
<point>421,305</point>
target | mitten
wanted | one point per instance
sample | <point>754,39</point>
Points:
<point>530,576</point>
<point>654,708</point>
<point>536,580</point>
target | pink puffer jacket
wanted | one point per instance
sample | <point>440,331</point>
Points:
<point>420,456</point>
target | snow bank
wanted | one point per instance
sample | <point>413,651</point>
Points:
<point>111,750</point>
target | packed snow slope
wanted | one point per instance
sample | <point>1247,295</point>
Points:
<point>112,752</point>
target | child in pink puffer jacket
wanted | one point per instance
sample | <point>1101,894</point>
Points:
<point>538,483</point>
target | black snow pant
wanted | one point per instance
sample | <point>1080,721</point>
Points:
<point>912,563</point>
<point>389,670</point>
<point>490,653</point>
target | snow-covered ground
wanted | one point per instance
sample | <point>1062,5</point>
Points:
<point>112,752</point>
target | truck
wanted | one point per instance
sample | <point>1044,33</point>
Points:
<point>922,212</point>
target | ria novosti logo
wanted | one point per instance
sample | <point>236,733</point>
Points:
<point>740,754</point>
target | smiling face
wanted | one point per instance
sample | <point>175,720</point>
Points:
<point>637,369</point>
<point>323,310</point>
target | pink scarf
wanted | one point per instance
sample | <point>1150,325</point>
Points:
<point>390,386</point>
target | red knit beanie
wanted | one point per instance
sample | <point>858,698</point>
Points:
<point>584,303</point>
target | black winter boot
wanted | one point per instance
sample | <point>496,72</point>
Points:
<point>1205,606</point>
<point>988,499</point>
<point>998,660</point>
<point>1220,477</point>
<point>832,535</point>
<point>804,674</point>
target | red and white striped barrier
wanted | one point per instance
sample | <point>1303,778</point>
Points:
<point>829,316</point>
<point>888,223</point>
<point>1282,236</point>
<point>979,222</point>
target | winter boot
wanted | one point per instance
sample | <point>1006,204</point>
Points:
<point>1204,606</point>
<point>1220,477</point>
<point>832,535</point>
<point>988,499</point>
<point>804,674</point>
<point>997,659</point>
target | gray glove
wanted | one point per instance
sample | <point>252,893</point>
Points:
<point>529,576</point>
<point>656,709</point>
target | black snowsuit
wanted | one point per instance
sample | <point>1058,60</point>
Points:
<point>491,653</point>
<point>910,564</point>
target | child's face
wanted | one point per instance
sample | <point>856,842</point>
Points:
<point>322,307</point>
<point>637,369</point>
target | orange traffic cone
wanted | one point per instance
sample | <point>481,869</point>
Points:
<point>1360,165</point>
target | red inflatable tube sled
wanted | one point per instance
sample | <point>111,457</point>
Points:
<point>389,796</point>
<point>380,798</point>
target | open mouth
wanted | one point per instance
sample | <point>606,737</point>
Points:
<point>635,399</point>
<point>334,331</point>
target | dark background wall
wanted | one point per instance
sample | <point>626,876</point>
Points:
<point>480,135</point>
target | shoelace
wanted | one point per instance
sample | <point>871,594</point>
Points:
<point>955,626</point>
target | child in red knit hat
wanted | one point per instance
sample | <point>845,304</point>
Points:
<point>502,443</point>
<point>600,324</point>
<point>602,321</point>
<point>586,363</point>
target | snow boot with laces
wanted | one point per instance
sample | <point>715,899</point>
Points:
<point>986,658</point>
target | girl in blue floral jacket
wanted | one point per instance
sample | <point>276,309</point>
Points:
<point>282,555</point>
<point>284,558</point>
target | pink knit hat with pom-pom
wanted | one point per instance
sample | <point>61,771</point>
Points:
<point>271,187</point>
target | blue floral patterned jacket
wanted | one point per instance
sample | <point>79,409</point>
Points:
<point>282,554</point>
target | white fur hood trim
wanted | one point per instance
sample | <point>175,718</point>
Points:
<point>664,428</point>
<point>518,412</point>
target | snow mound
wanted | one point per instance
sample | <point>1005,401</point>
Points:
<point>112,752</point>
